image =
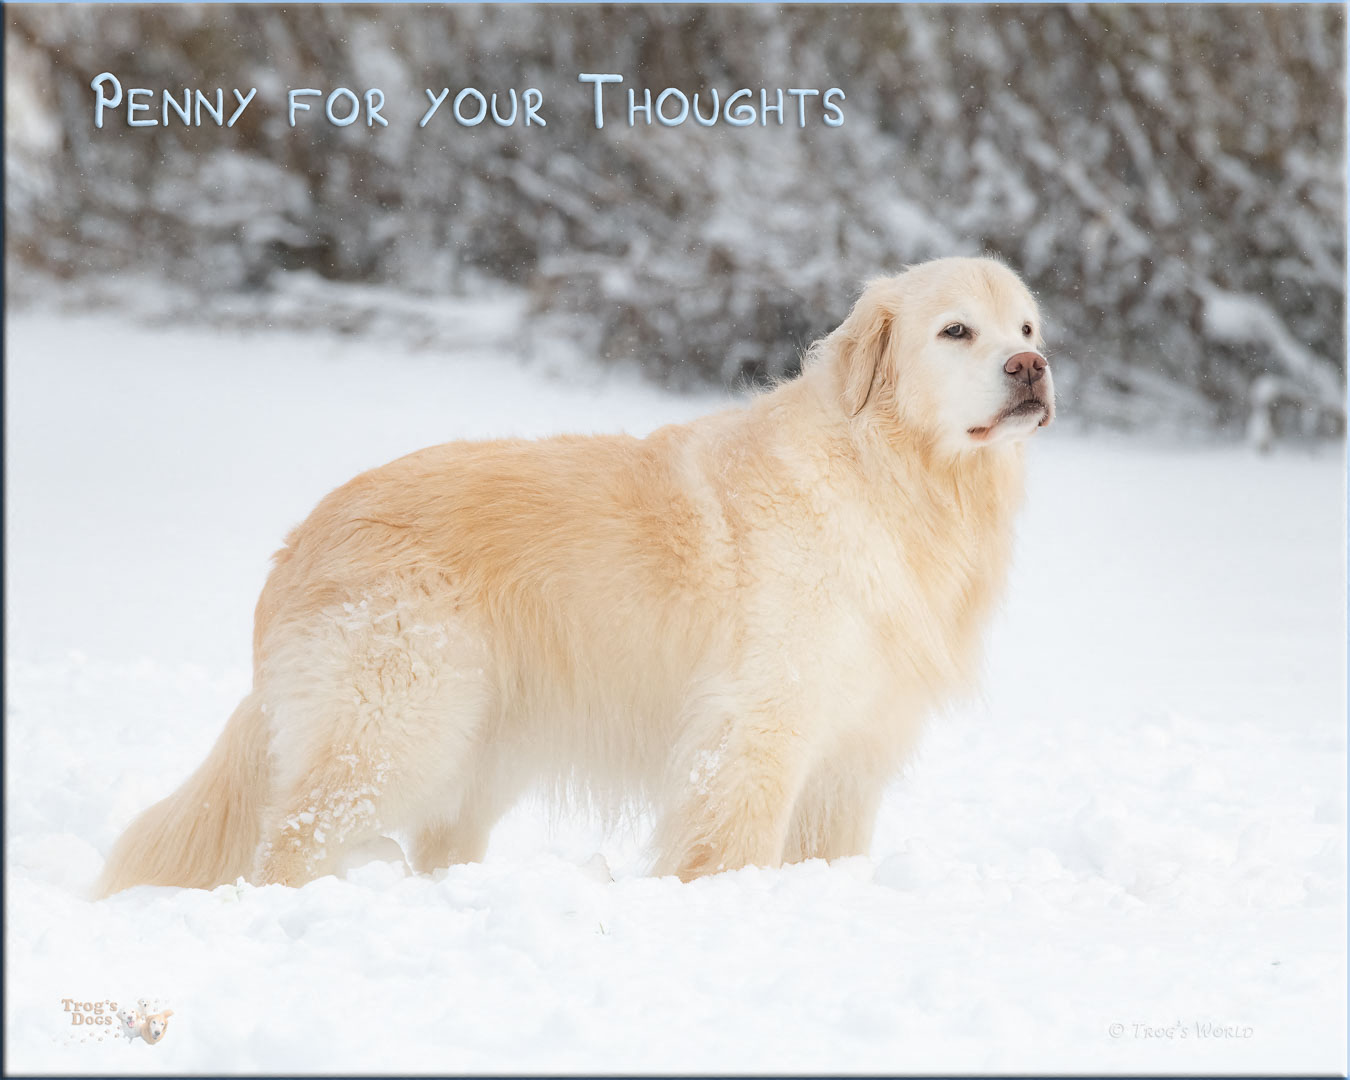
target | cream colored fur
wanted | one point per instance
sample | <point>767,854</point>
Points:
<point>153,1027</point>
<point>742,620</point>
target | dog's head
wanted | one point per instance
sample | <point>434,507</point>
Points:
<point>949,350</point>
<point>156,1025</point>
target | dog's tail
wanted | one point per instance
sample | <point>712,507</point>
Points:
<point>206,832</point>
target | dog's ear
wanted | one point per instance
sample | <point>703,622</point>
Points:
<point>859,344</point>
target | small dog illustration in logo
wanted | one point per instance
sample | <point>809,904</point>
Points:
<point>155,1026</point>
<point>130,1021</point>
<point>146,1021</point>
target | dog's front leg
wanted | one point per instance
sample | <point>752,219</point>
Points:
<point>736,804</point>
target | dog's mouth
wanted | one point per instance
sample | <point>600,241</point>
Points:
<point>1028,404</point>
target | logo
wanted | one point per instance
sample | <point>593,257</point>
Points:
<point>105,1020</point>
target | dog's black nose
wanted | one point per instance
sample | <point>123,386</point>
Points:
<point>1028,366</point>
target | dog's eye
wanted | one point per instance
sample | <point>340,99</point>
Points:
<point>957,330</point>
<point>1026,329</point>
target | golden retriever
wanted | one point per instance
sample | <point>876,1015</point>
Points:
<point>740,621</point>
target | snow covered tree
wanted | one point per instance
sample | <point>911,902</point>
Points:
<point>1169,179</point>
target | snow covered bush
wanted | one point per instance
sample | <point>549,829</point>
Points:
<point>1169,179</point>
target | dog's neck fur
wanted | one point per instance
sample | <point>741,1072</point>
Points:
<point>960,508</point>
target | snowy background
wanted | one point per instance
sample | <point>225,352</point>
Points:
<point>217,333</point>
<point>1170,179</point>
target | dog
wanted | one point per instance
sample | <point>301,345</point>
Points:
<point>130,1021</point>
<point>154,1027</point>
<point>741,621</point>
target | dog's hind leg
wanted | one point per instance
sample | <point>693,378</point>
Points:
<point>443,844</point>
<point>337,805</point>
<point>356,790</point>
<point>458,831</point>
<point>374,720</point>
<point>449,843</point>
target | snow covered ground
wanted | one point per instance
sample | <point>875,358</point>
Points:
<point>1129,856</point>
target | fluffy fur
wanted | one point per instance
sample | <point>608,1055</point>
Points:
<point>741,620</point>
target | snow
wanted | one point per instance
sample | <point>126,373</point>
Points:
<point>1141,823</point>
